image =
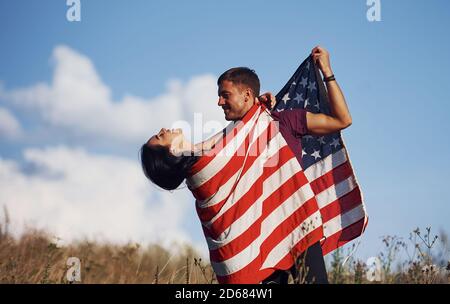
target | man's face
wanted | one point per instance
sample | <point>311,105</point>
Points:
<point>235,100</point>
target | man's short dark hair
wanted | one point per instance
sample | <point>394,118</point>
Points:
<point>242,76</point>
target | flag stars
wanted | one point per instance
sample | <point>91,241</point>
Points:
<point>312,86</point>
<point>304,153</point>
<point>335,142</point>
<point>316,154</point>
<point>322,140</point>
<point>307,65</point>
<point>306,103</point>
<point>299,98</point>
<point>286,98</point>
<point>317,106</point>
<point>304,82</point>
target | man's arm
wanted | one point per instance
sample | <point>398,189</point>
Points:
<point>321,124</point>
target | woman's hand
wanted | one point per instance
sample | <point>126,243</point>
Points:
<point>322,58</point>
<point>268,100</point>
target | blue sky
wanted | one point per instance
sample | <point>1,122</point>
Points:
<point>394,74</point>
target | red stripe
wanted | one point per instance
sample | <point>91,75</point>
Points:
<point>283,155</point>
<point>342,237</point>
<point>310,239</point>
<point>291,223</point>
<point>269,205</point>
<point>334,176</point>
<point>341,205</point>
<point>207,213</point>
<point>210,187</point>
<point>252,273</point>
<point>250,197</point>
<point>206,159</point>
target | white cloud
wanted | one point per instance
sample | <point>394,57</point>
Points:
<point>73,194</point>
<point>81,103</point>
<point>9,126</point>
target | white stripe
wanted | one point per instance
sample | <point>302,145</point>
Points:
<point>285,246</point>
<point>270,185</point>
<point>221,193</point>
<point>326,165</point>
<point>247,255</point>
<point>222,158</point>
<point>247,180</point>
<point>342,221</point>
<point>225,189</point>
<point>336,191</point>
<point>281,213</point>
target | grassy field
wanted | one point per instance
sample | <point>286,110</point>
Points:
<point>36,258</point>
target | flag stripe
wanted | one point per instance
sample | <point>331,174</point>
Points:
<point>244,187</point>
<point>258,192</point>
<point>325,165</point>
<point>336,191</point>
<point>262,243</point>
<point>334,176</point>
<point>232,164</point>
<point>343,204</point>
<point>225,147</point>
<point>343,220</point>
<point>342,236</point>
<point>270,187</point>
<point>252,273</point>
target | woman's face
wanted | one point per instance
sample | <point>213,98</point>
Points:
<point>171,139</point>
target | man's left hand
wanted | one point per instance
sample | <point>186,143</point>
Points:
<point>322,58</point>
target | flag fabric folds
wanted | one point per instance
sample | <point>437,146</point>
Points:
<point>326,162</point>
<point>258,206</point>
<point>257,209</point>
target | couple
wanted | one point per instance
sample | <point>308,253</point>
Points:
<point>239,197</point>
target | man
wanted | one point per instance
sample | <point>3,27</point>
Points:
<point>238,92</point>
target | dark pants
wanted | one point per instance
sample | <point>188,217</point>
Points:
<point>312,272</point>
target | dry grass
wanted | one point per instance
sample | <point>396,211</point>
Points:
<point>422,259</point>
<point>34,258</point>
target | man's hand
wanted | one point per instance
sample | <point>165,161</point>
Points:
<point>268,100</point>
<point>322,58</point>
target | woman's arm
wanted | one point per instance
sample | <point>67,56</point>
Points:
<point>210,142</point>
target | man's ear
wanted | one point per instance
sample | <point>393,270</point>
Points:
<point>248,94</point>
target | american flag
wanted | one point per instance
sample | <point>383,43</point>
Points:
<point>257,208</point>
<point>326,162</point>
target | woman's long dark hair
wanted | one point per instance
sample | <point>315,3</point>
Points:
<point>164,169</point>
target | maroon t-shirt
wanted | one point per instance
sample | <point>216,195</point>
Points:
<point>292,127</point>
